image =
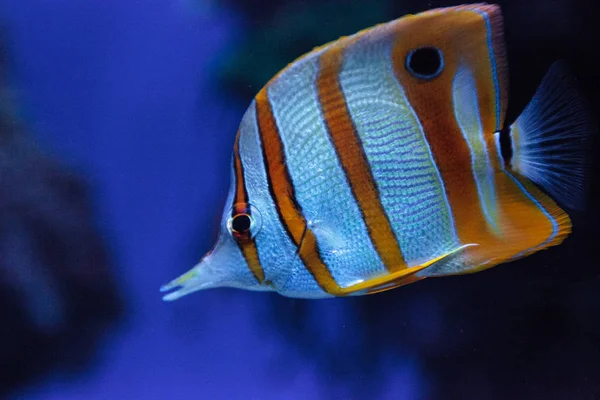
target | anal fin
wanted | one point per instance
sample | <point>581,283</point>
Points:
<point>395,279</point>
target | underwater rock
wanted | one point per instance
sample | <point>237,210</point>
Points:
<point>58,295</point>
<point>291,29</point>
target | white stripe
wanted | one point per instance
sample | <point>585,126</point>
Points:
<point>229,254</point>
<point>276,251</point>
<point>319,180</point>
<point>466,112</point>
<point>410,186</point>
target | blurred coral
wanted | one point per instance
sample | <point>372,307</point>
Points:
<point>57,292</point>
<point>291,28</point>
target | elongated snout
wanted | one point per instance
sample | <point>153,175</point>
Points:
<point>204,275</point>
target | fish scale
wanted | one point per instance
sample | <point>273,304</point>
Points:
<point>375,100</point>
<point>317,175</point>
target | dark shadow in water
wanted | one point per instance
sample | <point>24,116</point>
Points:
<point>58,296</point>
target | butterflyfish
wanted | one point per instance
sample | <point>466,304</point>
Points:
<point>382,158</point>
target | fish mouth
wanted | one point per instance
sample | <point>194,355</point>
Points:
<point>175,283</point>
<point>200,277</point>
<point>180,286</point>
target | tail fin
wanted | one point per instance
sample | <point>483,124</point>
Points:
<point>551,140</point>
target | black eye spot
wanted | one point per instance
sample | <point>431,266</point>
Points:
<point>425,62</point>
<point>241,223</point>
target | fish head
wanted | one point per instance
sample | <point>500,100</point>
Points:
<point>253,250</point>
<point>234,260</point>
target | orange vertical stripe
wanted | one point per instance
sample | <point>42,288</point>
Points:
<point>432,103</point>
<point>247,247</point>
<point>283,194</point>
<point>241,194</point>
<point>351,154</point>
<point>251,256</point>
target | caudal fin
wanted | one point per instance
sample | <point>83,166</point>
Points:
<point>551,140</point>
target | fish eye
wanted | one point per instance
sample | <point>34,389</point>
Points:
<point>425,62</point>
<point>241,223</point>
<point>245,222</point>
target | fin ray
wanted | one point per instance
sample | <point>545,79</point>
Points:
<point>551,139</point>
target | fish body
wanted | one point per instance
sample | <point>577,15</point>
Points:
<point>379,159</point>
